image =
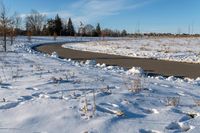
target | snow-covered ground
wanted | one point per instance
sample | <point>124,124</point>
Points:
<point>41,93</point>
<point>173,49</point>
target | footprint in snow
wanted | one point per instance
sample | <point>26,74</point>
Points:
<point>146,110</point>
<point>164,85</point>
<point>5,86</point>
<point>151,111</point>
<point>188,115</point>
<point>25,98</point>
<point>148,131</point>
<point>181,93</point>
<point>179,127</point>
<point>40,95</point>
<point>10,105</point>
<point>185,118</point>
<point>191,115</point>
<point>43,96</point>
<point>34,89</point>
<point>20,101</point>
<point>110,108</point>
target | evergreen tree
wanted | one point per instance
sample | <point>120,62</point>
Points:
<point>124,33</point>
<point>58,25</point>
<point>98,30</point>
<point>70,28</point>
<point>51,26</point>
<point>44,31</point>
<point>64,30</point>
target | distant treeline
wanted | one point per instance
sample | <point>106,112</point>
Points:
<point>140,35</point>
<point>36,24</point>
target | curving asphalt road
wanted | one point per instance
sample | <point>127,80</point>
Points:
<point>151,66</point>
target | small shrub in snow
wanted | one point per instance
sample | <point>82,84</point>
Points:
<point>72,74</point>
<point>69,75</point>
<point>3,74</point>
<point>38,68</point>
<point>106,90</point>
<point>136,85</point>
<point>94,102</point>
<point>85,107</point>
<point>56,80</point>
<point>88,105</point>
<point>4,100</point>
<point>197,102</point>
<point>172,101</point>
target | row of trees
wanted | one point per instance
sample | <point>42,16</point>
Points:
<point>36,24</point>
<point>56,26</point>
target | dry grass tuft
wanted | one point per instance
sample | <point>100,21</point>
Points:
<point>172,101</point>
<point>197,102</point>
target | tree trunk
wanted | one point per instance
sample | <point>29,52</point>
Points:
<point>4,35</point>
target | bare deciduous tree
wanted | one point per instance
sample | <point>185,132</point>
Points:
<point>5,22</point>
<point>8,25</point>
<point>89,30</point>
<point>35,22</point>
<point>17,21</point>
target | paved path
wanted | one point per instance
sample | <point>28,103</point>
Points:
<point>152,66</point>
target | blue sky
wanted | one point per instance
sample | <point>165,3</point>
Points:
<point>146,15</point>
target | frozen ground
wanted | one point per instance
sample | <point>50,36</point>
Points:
<point>41,93</point>
<point>173,49</point>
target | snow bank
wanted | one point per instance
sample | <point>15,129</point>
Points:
<point>90,62</point>
<point>54,54</point>
<point>135,70</point>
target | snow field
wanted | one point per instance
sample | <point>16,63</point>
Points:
<point>173,49</point>
<point>41,93</point>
